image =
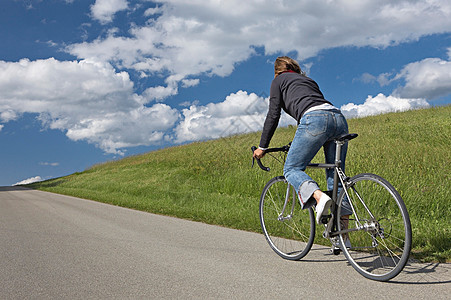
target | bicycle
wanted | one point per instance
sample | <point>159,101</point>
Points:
<point>377,238</point>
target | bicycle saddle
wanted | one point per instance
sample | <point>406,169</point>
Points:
<point>347,137</point>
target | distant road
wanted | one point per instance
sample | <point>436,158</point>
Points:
<point>60,247</point>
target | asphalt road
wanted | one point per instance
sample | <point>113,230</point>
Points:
<point>60,247</point>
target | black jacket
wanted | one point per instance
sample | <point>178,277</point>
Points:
<point>294,93</point>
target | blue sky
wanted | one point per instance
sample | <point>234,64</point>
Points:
<point>83,82</point>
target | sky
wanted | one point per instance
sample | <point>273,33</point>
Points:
<point>84,82</point>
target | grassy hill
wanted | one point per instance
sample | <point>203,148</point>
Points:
<point>213,181</point>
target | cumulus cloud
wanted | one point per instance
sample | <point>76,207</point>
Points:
<point>429,78</point>
<point>240,112</point>
<point>104,10</point>
<point>88,100</point>
<point>423,81</point>
<point>159,93</point>
<point>383,79</point>
<point>381,104</point>
<point>29,180</point>
<point>190,82</point>
<point>188,38</point>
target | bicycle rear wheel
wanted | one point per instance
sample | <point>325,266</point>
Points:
<point>290,232</point>
<point>381,235</point>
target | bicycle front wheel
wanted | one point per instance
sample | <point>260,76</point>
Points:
<point>379,235</point>
<point>289,230</point>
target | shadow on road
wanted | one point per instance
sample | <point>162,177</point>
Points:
<point>424,273</point>
<point>413,273</point>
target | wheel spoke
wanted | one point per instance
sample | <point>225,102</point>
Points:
<point>380,246</point>
<point>290,237</point>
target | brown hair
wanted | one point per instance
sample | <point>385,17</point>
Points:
<point>285,63</point>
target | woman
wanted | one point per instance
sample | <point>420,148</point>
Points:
<point>319,122</point>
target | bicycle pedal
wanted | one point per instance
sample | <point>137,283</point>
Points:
<point>335,250</point>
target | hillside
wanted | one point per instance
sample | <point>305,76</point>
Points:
<point>213,181</point>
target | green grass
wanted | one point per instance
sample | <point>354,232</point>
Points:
<point>213,182</point>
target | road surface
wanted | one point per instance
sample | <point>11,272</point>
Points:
<point>60,247</point>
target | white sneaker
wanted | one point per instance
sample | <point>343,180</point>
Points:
<point>322,207</point>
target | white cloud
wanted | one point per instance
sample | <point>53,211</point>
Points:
<point>29,180</point>
<point>366,78</point>
<point>8,115</point>
<point>381,104</point>
<point>116,130</point>
<point>188,38</point>
<point>429,78</point>
<point>92,102</point>
<point>190,82</point>
<point>424,81</point>
<point>243,112</point>
<point>52,164</point>
<point>383,79</point>
<point>240,112</point>
<point>104,10</point>
<point>153,11</point>
<point>87,100</point>
<point>160,92</point>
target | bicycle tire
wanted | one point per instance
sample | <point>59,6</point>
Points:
<point>380,245</point>
<point>291,237</point>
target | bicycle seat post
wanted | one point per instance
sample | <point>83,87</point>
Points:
<point>337,165</point>
<point>338,153</point>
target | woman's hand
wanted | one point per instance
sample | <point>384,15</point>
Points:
<point>259,153</point>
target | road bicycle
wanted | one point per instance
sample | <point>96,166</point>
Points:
<point>377,237</point>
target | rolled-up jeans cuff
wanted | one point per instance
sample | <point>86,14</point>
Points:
<point>306,191</point>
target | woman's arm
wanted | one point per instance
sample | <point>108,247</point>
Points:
<point>273,115</point>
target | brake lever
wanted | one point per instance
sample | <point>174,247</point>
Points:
<point>258,161</point>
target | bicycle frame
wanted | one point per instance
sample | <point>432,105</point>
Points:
<point>339,177</point>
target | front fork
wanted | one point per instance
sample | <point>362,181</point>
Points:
<point>287,200</point>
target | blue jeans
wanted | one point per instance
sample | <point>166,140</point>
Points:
<point>316,129</point>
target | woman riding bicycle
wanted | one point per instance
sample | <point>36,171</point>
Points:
<point>319,122</point>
